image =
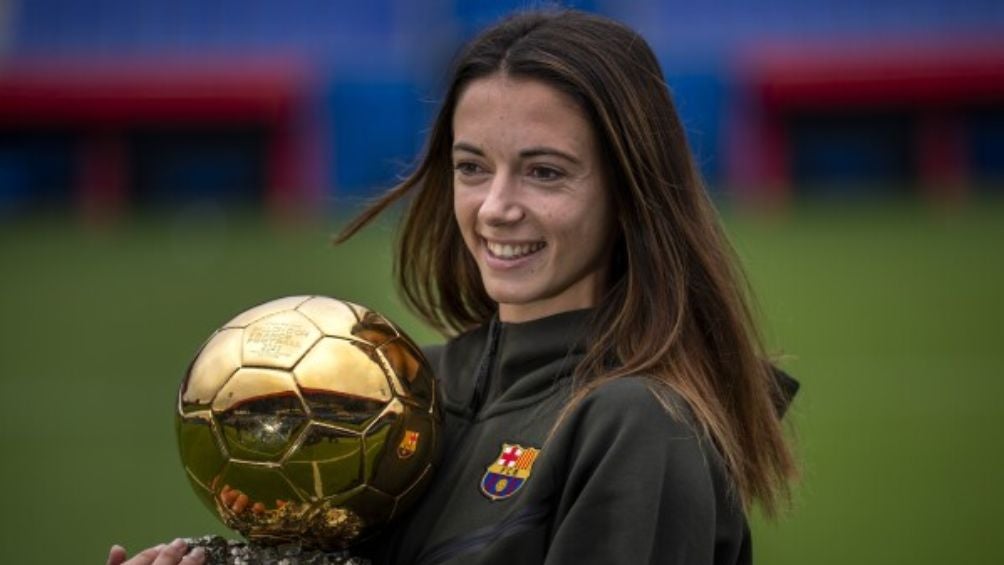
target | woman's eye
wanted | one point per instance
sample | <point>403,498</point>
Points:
<point>546,174</point>
<point>467,168</point>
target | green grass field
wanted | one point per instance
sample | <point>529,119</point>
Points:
<point>889,315</point>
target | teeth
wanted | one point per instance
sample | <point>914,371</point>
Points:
<point>507,251</point>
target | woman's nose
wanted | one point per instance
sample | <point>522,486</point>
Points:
<point>501,204</point>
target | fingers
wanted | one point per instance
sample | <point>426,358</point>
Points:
<point>117,555</point>
<point>196,557</point>
<point>241,503</point>
<point>146,556</point>
<point>173,553</point>
<point>237,501</point>
<point>228,495</point>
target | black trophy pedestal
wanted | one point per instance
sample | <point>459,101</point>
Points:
<point>221,551</point>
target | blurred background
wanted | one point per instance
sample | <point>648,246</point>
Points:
<point>166,164</point>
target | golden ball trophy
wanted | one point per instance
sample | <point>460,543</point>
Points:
<point>306,424</point>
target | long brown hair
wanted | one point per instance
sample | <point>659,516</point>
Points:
<point>677,308</point>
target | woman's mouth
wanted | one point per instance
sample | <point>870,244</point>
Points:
<point>511,251</point>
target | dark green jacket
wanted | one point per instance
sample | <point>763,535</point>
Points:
<point>620,481</point>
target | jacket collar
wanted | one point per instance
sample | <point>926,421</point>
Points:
<point>502,366</point>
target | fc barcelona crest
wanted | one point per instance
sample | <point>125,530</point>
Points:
<point>508,473</point>
<point>408,445</point>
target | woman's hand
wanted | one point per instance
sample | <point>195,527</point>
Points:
<point>173,553</point>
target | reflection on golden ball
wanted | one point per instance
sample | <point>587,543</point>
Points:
<point>308,419</point>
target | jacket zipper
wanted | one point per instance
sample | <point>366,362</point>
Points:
<point>485,367</point>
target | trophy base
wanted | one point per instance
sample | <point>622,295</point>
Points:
<point>220,551</point>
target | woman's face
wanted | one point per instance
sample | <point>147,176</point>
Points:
<point>530,197</point>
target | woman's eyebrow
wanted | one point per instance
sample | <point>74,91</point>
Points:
<point>524,154</point>
<point>543,151</point>
<point>463,146</point>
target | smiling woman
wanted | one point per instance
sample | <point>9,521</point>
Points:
<point>530,197</point>
<point>607,397</point>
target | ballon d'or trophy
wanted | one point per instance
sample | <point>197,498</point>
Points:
<point>306,424</point>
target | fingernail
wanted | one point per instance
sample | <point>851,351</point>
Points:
<point>160,547</point>
<point>178,544</point>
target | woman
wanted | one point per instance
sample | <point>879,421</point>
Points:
<point>607,398</point>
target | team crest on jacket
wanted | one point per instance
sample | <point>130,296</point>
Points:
<point>509,471</point>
